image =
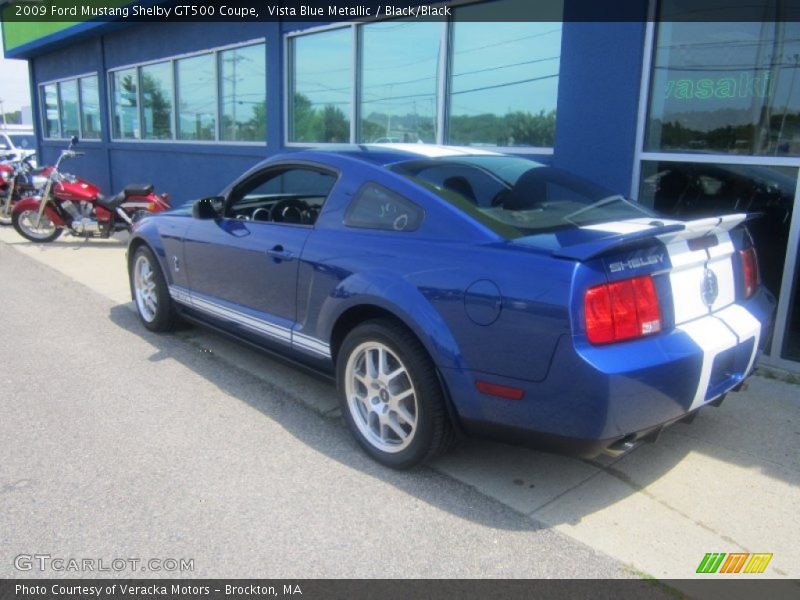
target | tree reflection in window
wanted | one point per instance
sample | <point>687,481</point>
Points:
<point>321,85</point>
<point>157,100</point>
<point>726,88</point>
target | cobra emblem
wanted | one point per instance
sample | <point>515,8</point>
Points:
<point>710,288</point>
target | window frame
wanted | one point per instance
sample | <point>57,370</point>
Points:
<point>173,60</point>
<point>281,166</point>
<point>43,109</point>
<point>443,83</point>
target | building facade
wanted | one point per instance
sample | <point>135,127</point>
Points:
<point>691,117</point>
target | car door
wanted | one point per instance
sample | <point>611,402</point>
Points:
<point>242,267</point>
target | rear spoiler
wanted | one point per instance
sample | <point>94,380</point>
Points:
<point>666,233</point>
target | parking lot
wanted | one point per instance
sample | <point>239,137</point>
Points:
<point>123,443</point>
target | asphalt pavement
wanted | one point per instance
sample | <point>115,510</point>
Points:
<point>118,442</point>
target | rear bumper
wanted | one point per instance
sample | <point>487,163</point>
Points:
<point>594,397</point>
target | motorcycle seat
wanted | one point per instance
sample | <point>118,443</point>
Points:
<point>111,203</point>
<point>138,189</point>
<point>132,189</point>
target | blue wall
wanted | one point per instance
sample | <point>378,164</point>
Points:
<point>597,105</point>
<point>598,101</point>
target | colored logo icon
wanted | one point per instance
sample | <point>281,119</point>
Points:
<point>735,562</point>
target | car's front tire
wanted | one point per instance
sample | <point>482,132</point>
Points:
<point>150,291</point>
<point>391,396</point>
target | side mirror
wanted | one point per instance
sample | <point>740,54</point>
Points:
<point>208,208</point>
<point>73,141</point>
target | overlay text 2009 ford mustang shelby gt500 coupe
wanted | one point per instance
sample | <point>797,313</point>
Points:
<point>457,290</point>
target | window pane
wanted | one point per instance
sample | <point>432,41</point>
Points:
<point>50,102</point>
<point>90,108</point>
<point>243,82</point>
<point>504,79</point>
<point>726,88</point>
<point>157,101</point>
<point>399,81</point>
<point>124,92</point>
<point>376,207</point>
<point>692,190</point>
<point>321,86</point>
<point>68,91</point>
<point>197,98</point>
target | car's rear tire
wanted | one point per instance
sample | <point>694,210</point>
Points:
<point>150,292</point>
<point>391,396</point>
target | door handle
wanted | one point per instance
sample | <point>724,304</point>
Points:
<point>278,254</point>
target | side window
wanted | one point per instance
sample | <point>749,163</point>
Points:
<point>375,207</point>
<point>281,195</point>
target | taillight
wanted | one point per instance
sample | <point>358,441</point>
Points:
<point>622,310</point>
<point>750,271</point>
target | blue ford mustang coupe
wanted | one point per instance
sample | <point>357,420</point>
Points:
<point>455,290</point>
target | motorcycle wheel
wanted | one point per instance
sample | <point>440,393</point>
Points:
<point>24,223</point>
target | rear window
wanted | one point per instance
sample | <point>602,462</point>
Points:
<point>516,197</point>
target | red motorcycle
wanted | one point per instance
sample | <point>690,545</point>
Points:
<point>18,180</point>
<point>68,202</point>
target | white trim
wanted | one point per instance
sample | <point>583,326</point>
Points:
<point>789,277</point>
<point>252,42</point>
<point>288,62</point>
<point>644,98</point>
<point>318,29</point>
<point>443,83</point>
<point>218,99</point>
<point>196,142</point>
<point>355,82</point>
<point>296,339</point>
<point>723,159</point>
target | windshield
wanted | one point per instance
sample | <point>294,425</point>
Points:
<point>516,197</point>
<point>22,141</point>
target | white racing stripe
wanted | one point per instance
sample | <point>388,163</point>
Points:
<point>745,325</point>
<point>261,326</point>
<point>688,272</point>
<point>727,328</point>
<point>712,337</point>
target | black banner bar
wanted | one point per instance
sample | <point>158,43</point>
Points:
<point>327,11</point>
<point>416,589</point>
